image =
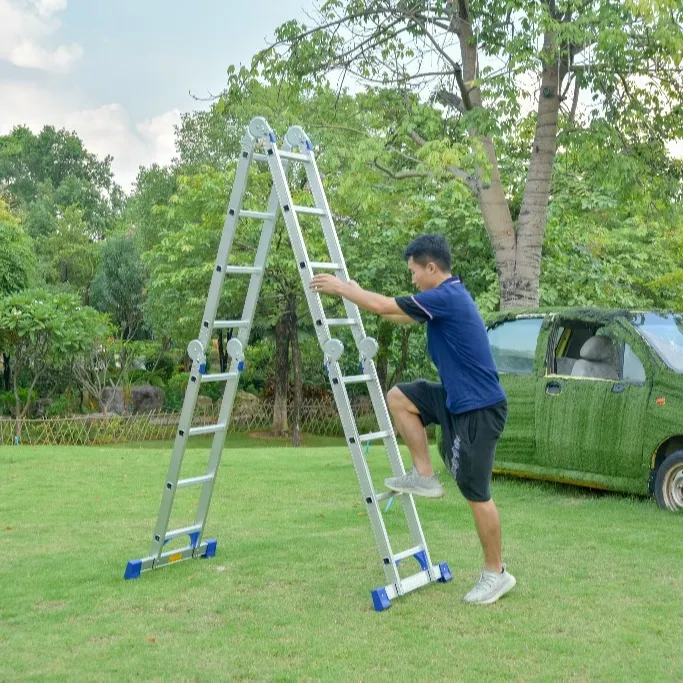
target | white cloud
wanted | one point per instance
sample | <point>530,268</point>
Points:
<point>109,130</point>
<point>106,130</point>
<point>25,25</point>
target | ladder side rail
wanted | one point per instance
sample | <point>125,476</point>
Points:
<point>358,332</point>
<point>323,335</point>
<point>227,402</point>
<point>211,306</point>
<point>363,476</point>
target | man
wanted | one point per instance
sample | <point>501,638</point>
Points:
<point>469,403</point>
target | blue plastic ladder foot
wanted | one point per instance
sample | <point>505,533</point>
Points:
<point>210,548</point>
<point>380,599</point>
<point>133,569</point>
<point>445,572</point>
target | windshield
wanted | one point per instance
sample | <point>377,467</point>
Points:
<point>665,334</point>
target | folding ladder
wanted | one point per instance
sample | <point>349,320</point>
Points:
<point>259,136</point>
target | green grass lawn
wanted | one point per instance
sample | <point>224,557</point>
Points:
<point>599,593</point>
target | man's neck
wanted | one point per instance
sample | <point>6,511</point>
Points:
<point>442,278</point>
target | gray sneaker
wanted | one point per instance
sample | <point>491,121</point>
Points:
<point>412,482</point>
<point>490,587</point>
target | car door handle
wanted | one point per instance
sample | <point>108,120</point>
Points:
<point>553,388</point>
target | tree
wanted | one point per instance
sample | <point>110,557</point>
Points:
<point>626,55</point>
<point>17,264</point>
<point>120,283</point>
<point>92,366</point>
<point>69,256</point>
<point>40,330</point>
<point>48,172</point>
<point>615,229</point>
<point>17,257</point>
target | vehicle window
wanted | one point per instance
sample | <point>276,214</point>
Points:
<point>633,369</point>
<point>665,335</point>
<point>567,342</point>
<point>513,344</point>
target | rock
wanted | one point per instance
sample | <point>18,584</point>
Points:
<point>247,402</point>
<point>204,404</point>
<point>112,397</point>
<point>40,406</point>
<point>146,399</point>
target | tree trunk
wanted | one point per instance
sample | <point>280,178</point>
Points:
<point>385,334</point>
<point>280,425</point>
<point>7,375</point>
<point>298,378</point>
<point>534,209</point>
<point>222,352</point>
<point>517,252</point>
<point>403,362</point>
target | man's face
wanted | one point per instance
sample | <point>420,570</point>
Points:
<point>424,277</point>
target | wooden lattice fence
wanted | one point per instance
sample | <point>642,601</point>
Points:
<point>317,417</point>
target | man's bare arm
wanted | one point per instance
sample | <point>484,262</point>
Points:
<point>401,319</point>
<point>369,301</point>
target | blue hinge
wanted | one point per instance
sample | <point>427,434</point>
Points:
<point>202,368</point>
<point>240,366</point>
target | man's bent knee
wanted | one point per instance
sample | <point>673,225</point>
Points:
<point>399,402</point>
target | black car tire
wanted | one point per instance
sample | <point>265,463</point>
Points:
<point>669,483</point>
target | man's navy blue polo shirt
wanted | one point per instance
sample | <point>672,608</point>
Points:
<point>458,345</point>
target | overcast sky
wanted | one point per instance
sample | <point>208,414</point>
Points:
<point>119,72</point>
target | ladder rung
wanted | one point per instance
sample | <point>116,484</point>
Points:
<point>387,494</point>
<point>293,156</point>
<point>260,157</point>
<point>181,532</point>
<point>356,379</point>
<point>261,215</point>
<point>408,553</point>
<point>208,429</point>
<point>341,321</point>
<point>373,436</point>
<point>310,209</point>
<point>243,270</point>
<point>219,377</point>
<point>230,324</point>
<point>193,480</point>
<point>324,265</point>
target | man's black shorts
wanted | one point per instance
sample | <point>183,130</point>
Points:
<point>469,439</point>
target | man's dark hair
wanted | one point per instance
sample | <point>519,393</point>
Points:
<point>428,248</point>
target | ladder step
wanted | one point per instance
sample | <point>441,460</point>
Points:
<point>260,157</point>
<point>356,379</point>
<point>181,532</point>
<point>208,429</point>
<point>261,215</point>
<point>310,209</point>
<point>243,270</point>
<point>341,321</point>
<point>408,553</point>
<point>373,436</point>
<point>324,265</point>
<point>292,155</point>
<point>230,324</point>
<point>388,494</point>
<point>219,377</point>
<point>194,480</point>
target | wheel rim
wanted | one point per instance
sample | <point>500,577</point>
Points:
<point>673,488</point>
